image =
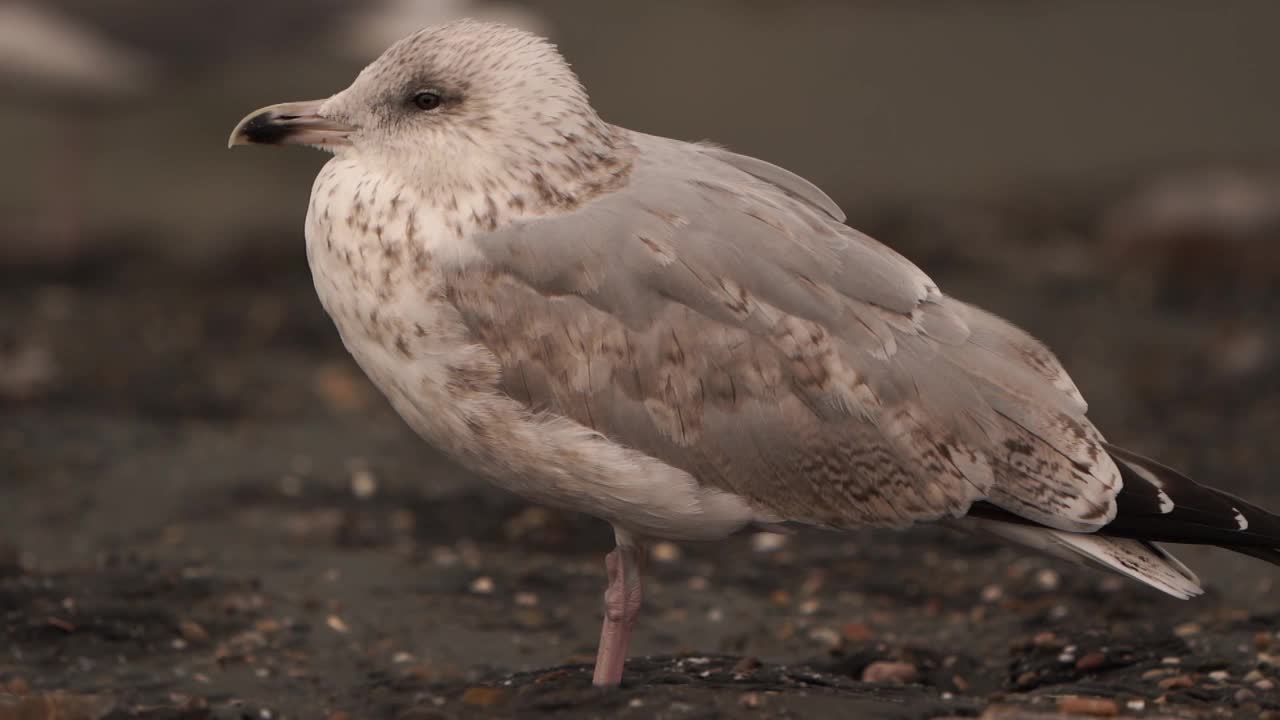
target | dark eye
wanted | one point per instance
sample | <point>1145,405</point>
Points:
<point>426,100</point>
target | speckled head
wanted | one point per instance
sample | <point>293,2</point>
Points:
<point>455,107</point>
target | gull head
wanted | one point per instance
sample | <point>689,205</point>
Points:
<point>461,105</point>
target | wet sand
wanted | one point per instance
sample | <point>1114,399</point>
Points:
<point>208,512</point>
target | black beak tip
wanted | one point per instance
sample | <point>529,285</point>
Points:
<point>264,129</point>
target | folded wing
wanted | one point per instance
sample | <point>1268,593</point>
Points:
<point>714,314</point>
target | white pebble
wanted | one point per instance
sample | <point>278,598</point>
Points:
<point>363,484</point>
<point>767,542</point>
<point>825,636</point>
<point>665,552</point>
<point>1048,580</point>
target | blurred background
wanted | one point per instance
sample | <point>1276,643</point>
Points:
<point>1105,174</point>
<point>875,101</point>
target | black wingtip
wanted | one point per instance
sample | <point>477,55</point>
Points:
<point>1161,504</point>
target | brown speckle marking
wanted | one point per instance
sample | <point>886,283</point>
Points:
<point>402,346</point>
<point>669,218</point>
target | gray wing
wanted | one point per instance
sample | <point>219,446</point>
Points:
<point>728,326</point>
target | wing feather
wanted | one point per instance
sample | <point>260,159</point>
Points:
<point>713,315</point>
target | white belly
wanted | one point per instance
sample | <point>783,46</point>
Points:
<point>379,269</point>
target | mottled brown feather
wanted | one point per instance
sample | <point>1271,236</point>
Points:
<point>734,329</point>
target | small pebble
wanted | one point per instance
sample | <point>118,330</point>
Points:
<point>363,484</point>
<point>1186,630</point>
<point>750,700</point>
<point>1045,639</point>
<point>1111,584</point>
<point>887,671</point>
<point>193,632</point>
<point>1219,675</point>
<point>1091,661</point>
<point>767,542</point>
<point>1137,705</point>
<point>1177,682</point>
<point>484,696</point>
<point>1047,580</point>
<point>992,593</point>
<point>1265,685</point>
<point>526,599</point>
<point>665,552</point>
<point>1244,695</point>
<point>336,624</point>
<point>482,585</point>
<point>1094,707</point>
<point>856,632</point>
<point>825,636</point>
<point>1171,661</point>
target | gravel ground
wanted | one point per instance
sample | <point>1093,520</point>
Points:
<point>208,513</point>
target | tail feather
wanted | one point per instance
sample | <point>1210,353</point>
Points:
<point>1139,560</point>
<point>1155,504</point>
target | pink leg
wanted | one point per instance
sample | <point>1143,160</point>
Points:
<point>621,606</point>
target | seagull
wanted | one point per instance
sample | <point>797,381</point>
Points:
<point>686,342</point>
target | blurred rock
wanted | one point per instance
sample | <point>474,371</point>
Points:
<point>54,706</point>
<point>49,55</point>
<point>27,369</point>
<point>1199,232</point>
<point>1092,707</point>
<point>887,671</point>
